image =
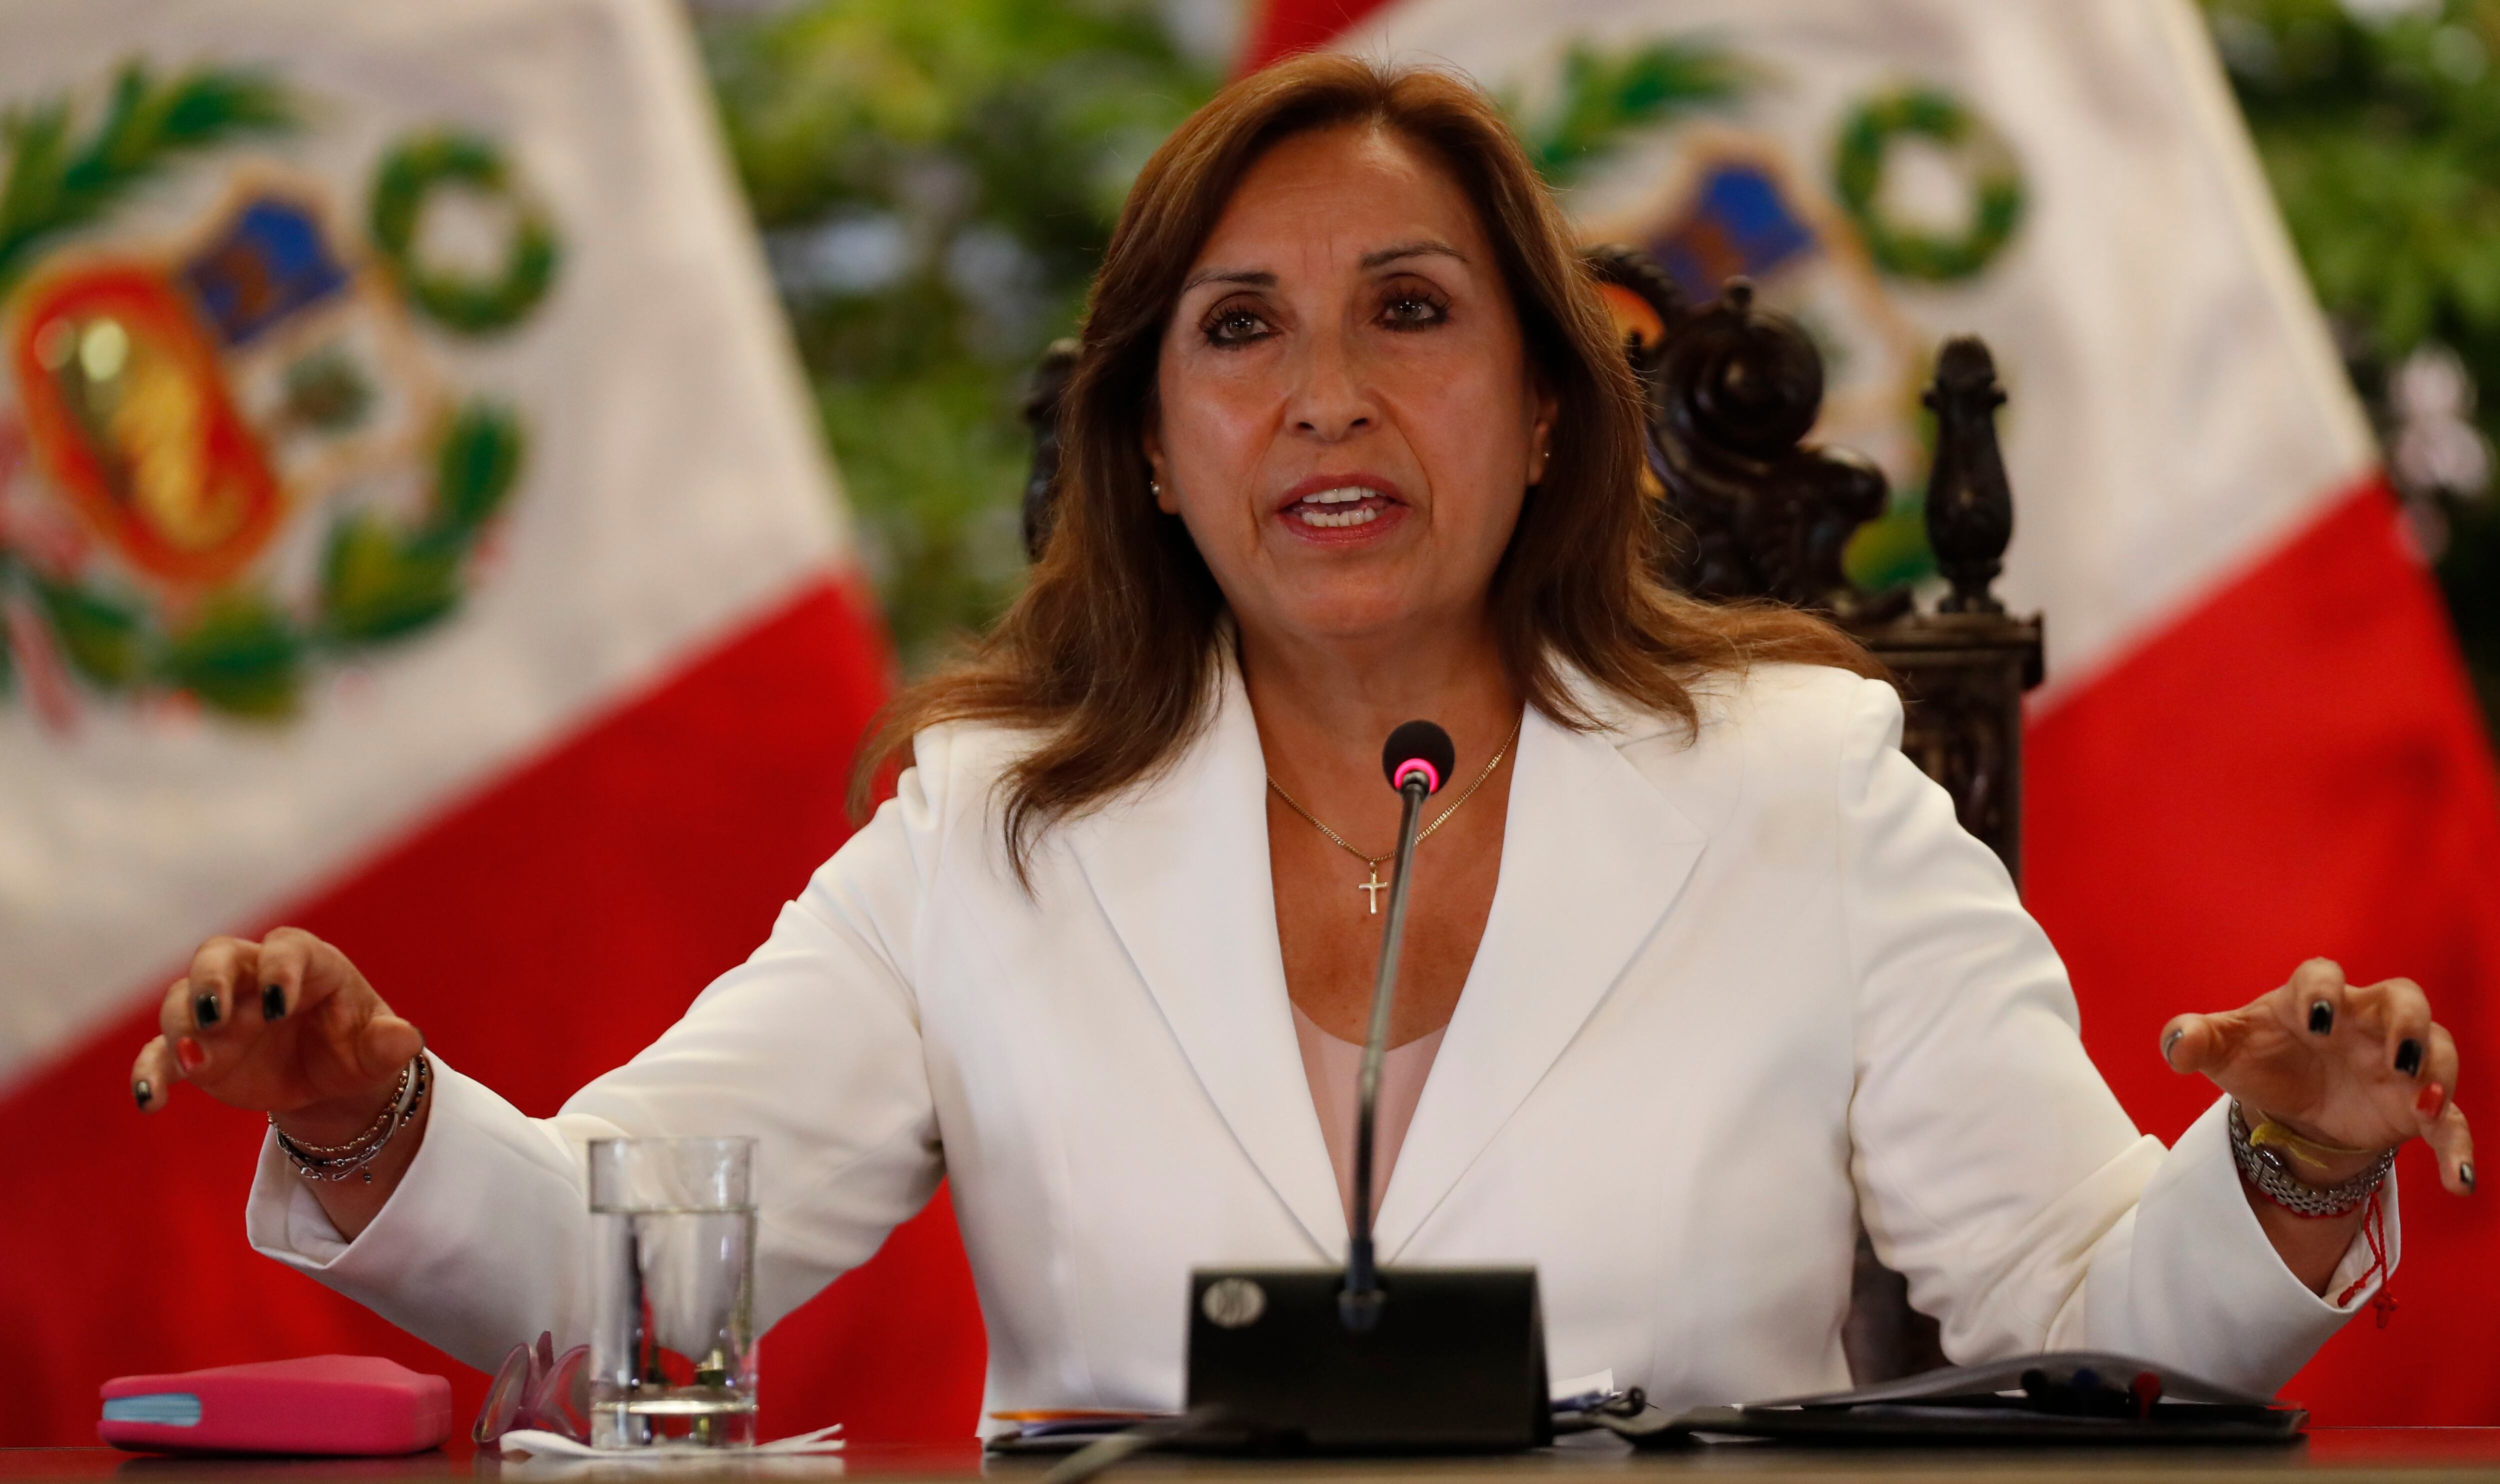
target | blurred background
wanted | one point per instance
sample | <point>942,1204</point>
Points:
<point>417,526</point>
<point>2373,121</point>
<point>933,182</point>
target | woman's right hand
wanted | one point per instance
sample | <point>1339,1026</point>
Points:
<point>285,1026</point>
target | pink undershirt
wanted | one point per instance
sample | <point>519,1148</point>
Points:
<point>1331,1066</point>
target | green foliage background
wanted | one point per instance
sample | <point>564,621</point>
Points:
<point>934,183</point>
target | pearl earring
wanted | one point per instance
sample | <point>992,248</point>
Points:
<point>1154,489</point>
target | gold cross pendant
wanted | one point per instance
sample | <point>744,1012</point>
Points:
<point>1375,886</point>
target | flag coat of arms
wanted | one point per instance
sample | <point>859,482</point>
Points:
<point>2256,743</point>
<point>412,526</point>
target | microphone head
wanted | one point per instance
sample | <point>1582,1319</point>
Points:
<point>1421,748</point>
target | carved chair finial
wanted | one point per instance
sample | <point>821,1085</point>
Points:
<point>1970,508</point>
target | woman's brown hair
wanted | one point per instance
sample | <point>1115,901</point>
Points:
<point>1108,657</point>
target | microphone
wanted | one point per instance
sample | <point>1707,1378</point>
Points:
<point>1421,749</point>
<point>1410,1360</point>
<point>1418,758</point>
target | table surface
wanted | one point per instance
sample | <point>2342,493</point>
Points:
<point>2416,1455</point>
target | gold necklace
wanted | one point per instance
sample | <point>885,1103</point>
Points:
<point>1374,885</point>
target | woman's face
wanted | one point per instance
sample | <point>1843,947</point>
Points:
<point>1347,417</point>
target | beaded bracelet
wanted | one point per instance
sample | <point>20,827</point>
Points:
<point>336,1162</point>
<point>372,1131</point>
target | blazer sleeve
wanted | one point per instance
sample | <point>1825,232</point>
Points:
<point>1995,1169</point>
<point>813,1047</point>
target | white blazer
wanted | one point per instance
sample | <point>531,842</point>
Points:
<point>1737,994</point>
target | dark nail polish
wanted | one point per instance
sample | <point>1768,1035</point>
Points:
<point>2322,1018</point>
<point>204,1009</point>
<point>2170,1043</point>
<point>140,1091</point>
<point>2409,1057</point>
<point>273,1003</point>
<point>2465,1177</point>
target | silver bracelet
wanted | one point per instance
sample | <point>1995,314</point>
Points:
<point>2271,1174</point>
<point>334,1163</point>
<point>372,1131</point>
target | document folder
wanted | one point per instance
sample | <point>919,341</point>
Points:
<point>2067,1398</point>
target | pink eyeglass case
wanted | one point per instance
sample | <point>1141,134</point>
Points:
<point>319,1404</point>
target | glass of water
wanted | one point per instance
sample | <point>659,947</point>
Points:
<point>673,1337</point>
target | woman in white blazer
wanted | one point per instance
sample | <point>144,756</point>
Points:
<point>1701,972</point>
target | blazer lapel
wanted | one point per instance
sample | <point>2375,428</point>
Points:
<point>1181,869</point>
<point>1592,855</point>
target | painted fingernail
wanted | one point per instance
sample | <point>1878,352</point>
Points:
<point>2465,1177</point>
<point>2409,1057</point>
<point>187,1051</point>
<point>2322,1018</point>
<point>2170,1043</point>
<point>273,1003</point>
<point>204,1009</point>
<point>140,1091</point>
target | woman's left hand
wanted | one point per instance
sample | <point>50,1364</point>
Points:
<point>2361,1066</point>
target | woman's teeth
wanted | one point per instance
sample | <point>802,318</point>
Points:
<point>1360,515</point>
<point>1314,509</point>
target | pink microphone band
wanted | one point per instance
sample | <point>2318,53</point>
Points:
<point>1432,776</point>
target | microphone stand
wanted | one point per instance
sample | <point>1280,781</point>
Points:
<point>1359,1306</point>
<point>1316,1360</point>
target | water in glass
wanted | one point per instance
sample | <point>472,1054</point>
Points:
<point>672,1343</point>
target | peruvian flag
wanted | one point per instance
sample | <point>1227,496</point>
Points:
<point>2256,743</point>
<point>411,527</point>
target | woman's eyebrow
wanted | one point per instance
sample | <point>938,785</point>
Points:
<point>1421,247</point>
<point>1257,277</point>
<point>1253,276</point>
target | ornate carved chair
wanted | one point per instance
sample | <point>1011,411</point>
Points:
<point>1754,511</point>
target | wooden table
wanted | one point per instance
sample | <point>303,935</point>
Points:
<point>2412,1455</point>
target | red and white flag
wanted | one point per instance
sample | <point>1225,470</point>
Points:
<point>2257,742</point>
<point>412,527</point>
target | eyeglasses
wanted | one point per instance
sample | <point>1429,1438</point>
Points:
<point>536,1388</point>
